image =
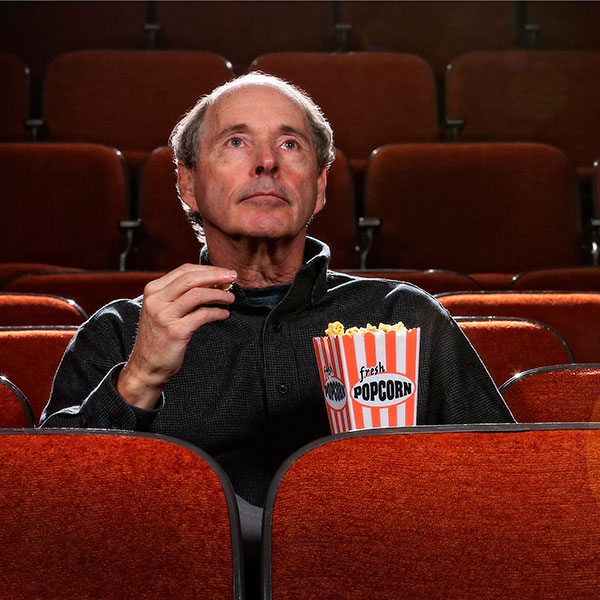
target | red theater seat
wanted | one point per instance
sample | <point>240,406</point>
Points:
<point>370,98</point>
<point>510,345</point>
<point>15,410</point>
<point>34,309</point>
<point>573,279</point>
<point>474,208</point>
<point>14,99</point>
<point>115,515</point>
<point>565,393</point>
<point>129,99</point>
<point>29,357</point>
<point>336,223</point>
<point>575,315</point>
<point>434,281</point>
<point>90,289</point>
<point>495,512</point>
<point>61,205</point>
<point>541,96</point>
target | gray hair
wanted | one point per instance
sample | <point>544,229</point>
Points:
<point>186,135</point>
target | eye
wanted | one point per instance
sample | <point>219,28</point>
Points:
<point>290,145</point>
<point>235,142</point>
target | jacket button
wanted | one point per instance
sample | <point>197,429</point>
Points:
<point>276,326</point>
<point>283,388</point>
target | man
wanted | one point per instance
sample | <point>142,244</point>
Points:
<point>233,371</point>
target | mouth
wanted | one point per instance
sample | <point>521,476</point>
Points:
<point>265,197</point>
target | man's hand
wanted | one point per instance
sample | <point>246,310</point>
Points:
<point>174,307</point>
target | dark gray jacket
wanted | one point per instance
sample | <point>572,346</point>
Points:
<point>249,391</point>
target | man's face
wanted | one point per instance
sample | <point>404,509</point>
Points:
<point>256,174</point>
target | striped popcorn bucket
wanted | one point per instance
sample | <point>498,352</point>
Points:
<point>369,380</point>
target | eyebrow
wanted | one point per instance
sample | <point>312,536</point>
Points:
<point>243,128</point>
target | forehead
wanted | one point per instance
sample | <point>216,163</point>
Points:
<point>255,106</point>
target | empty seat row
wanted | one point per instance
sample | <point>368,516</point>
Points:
<point>489,208</point>
<point>495,512</point>
<point>371,98</point>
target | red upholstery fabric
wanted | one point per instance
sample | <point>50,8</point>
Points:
<point>90,289</point>
<point>370,98</point>
<point>575,315</point>
<point>437,32</point>
<point>509,346</point>
<point>474,208</point>
<point>542,96</point>
<point>62,204</point>
<point>15,410</point>
<point>560,393</point>
<point>112,516</point>
<point>29,357</point>
<point>126,98</point>
<point>10,271</point>
<point>166,239</point>
<point>418,515</point>
<point>493,281</point>
<point>38,309</point>
<point>14,101</point>
<point>581,279</point>
<point>433,281</point>
<point>335,224</point>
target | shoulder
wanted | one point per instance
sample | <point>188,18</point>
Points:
<point>381,289</point>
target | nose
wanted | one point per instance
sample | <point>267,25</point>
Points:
<point>266,162</point>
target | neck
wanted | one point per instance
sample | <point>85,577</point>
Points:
<point>259,263</point>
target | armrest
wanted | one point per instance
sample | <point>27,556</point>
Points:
<point>453,128</point>
<point>367,227</point>
<point>595,241</point>
<point>34,129</point>
<point>129,227</point>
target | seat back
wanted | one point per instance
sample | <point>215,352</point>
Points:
<point>565,393</point>
<point>574,315</point>
<point>574,279</point>
<point>542,96</point>
<point>475,208</point>
<point>62,204</point>
<point>14,101</point>
<point>434,281</point>
<point>437,512</point>
<point>15,410</point>
<point>336,223</point>
<point>29,357</point>
<point>370,98</point>
<point>166,238</point>
<point>89,289</point>
<point>114,515</point>
<point>135,96</point>
<point>33,309</point>
<point>509,346</point>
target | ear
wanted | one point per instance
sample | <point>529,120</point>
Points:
<point>321,186</point>
<point>185,185</point>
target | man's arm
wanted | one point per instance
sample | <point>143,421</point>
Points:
<point>105,380</point>
<point>174,307</point>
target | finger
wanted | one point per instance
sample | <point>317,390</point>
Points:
<point>183,329</point>
<point>196,298</point>
<point>190,275</point>
<point>205,314</point>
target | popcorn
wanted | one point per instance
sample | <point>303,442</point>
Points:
<point>336,328</point>
<point>369,375</point>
